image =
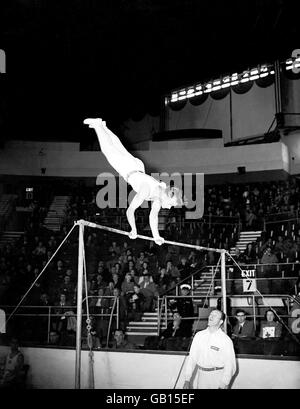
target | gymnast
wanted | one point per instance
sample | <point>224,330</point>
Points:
<point>132,170</point>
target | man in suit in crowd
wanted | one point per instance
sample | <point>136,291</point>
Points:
<point>243,328</point>
<point>242,332</point>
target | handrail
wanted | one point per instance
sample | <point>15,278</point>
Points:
<point>50,315</point>
<point>182,281</point>
<point>280,221</point>
<point>279,213</point>
<point>253,304</point>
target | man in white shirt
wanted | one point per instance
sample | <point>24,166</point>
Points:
<point>212,355</point>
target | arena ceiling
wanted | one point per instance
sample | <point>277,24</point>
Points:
<point>116,58</point>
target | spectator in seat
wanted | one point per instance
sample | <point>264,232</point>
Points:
<point>67,288</point>
<point>249,255</point>
<point>184,268</point>
<point>238,255</point>
<point>109,290</point>
<point>163,281</point>
<point>60,324</point>
<point>120,342</point>
<point>134,275</point>
<point>59,271</point>
<point>250,218</point>
<point>136,304</point>
<point>127,287</point>
<point>243,327</point>
<point>114,258</point>
<point>266,244</point>
<point>139,262</point>
<point>149,290</point>
<point>243,333</point>
<point>270,328</point>
<point>279,247</point>
<point>268,271</point>
<point>295,291</point>
<point>100,281</point>
<point>172,271</point>
<point>13,368</point>
<point>114,248</point>
<point>173,337</point>
<point>185,307</point>
<point>270,334</point>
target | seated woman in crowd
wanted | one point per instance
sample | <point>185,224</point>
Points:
<point>270,328</point>
<point>249,255</point>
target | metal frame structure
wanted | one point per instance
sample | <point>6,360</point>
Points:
<point>81,224</point>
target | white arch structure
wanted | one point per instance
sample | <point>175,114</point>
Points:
<point>82,224</point>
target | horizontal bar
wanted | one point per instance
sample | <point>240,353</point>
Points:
<point>139,236</point>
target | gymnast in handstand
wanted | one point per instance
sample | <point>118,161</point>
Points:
<point>132,170</point>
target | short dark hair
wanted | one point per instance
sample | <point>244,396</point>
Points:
<point>120,330</point>
<point>240,311</point>
<point>270,310</point>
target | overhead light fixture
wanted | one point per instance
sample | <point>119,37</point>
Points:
<point>190,92</point>
<point>208,87</point>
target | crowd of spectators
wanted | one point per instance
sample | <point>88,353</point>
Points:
<point>134,272</point>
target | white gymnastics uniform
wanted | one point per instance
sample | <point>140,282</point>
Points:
<point>137,179</point>
<point>128,166</point>
<point>213,356</point>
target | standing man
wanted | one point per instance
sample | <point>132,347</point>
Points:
<point>212,355</point>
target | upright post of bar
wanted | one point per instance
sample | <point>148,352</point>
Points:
<point>223,281</point>
<point>79,305</point>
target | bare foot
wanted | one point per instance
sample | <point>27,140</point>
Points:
<point>93,122</point>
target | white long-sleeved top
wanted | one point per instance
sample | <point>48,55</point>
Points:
<point>210,350</point>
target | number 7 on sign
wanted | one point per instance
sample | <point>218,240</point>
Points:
<point>249,285</point>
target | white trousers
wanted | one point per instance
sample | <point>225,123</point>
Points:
<point>208,379</point>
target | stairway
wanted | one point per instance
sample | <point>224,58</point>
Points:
<point>137,331</point>
<point>245,238</point>
<point>56,213</point>
<point>202,284</point>
<point>9,237</point>
<point>6,208</point>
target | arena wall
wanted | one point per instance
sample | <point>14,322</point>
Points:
<point>55,369</point>
<point>66,160</point>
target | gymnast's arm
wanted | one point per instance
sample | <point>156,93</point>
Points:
<point>153,221</point>
<point>136,202</point>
